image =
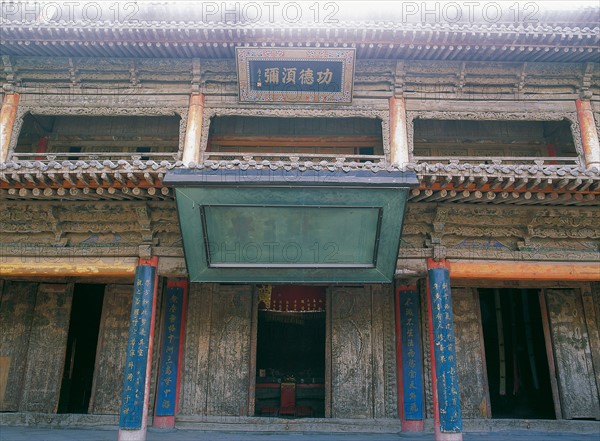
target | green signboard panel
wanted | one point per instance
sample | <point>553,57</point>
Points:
<point>310,227</point>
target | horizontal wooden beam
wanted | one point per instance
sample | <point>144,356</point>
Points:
<point>47,266</point>
<point>511,270</point>
<point>296,141</point>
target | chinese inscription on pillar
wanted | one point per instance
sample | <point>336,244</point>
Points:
<point>132,401</point>
<point>445,351</point>
<point>166,395</point>
<point>412,369</point>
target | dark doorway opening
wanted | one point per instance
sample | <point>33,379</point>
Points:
<point>290,357</point>
<point>515,352</point>
<point>80,359</point>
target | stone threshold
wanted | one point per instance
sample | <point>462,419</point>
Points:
<point>295,425</point>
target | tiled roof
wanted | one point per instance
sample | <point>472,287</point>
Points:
<point>183,33</point>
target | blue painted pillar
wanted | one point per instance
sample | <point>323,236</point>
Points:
<point>133,417</point>
<point>171,354</point>
<point>409,355</point>
<point>446,394</point>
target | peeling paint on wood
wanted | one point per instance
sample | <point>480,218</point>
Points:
<point>474,391</point>
<point>47,347</point>
<point>112,350</point>
<point>351,348</point>
<point>217,351</point>
<point>577,385</point>
<point>363,360</point>
<point>426,351</point>
<point>16,315</point>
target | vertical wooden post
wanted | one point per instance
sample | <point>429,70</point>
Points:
<point>193,133</point>
<point>328,352</point>
<point>171,354</point>
<point>253,347</point>
<point>133,419</point>
<point>589,134</point>
<point>409,359</point>
<point>398,132</point>
<point>8,114</point>
<point>446,397</point>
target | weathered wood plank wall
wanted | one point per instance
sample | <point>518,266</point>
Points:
<point>426,350</point>
<point>16,315</point>
<point>47,347</point>
<point>363,379</point>
<point>591,321</point>
<point>472,375</point>
<point>575,371</point>
<point>384,345</point>
<point>197,340</point>
<point>351,349</point>
<point>111,350</point>
<point>217,351</point>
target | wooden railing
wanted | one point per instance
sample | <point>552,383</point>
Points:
<point>74,156</point>
<point>291,157</point>
<point>540,160</point>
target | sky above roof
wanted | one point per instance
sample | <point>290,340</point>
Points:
<point>307,13</point>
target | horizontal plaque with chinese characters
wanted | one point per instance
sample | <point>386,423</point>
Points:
<point>295,75</point>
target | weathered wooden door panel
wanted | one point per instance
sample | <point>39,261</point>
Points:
<point>217,350</point>
<point>577,385</point>
<point>591,307</point>
<point>351,350</point>
<point>112,350</point>
<point>229,353</point>
<point>16,314</point>
<point>385,391</point>
<point>470,360</point>
<point>197,341</point>
<point>47,347</point>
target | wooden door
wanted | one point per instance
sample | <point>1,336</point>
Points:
<point>574,367</point>
<point>470,354</point>
<point>16,314</point>
<point>47,348</point>
<point>111,351</point>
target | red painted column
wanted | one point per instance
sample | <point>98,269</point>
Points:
<point>133,418</point>
<point>171,354</point>
<point>398,132</point>
<point>589,134</point>
<point>193,134</point>
<point>8,115</point>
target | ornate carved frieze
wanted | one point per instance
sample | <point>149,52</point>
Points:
<point>467,231</point>
<point>442,230</point>
<point>89,224</point>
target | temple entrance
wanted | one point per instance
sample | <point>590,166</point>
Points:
<point>290,353</point>
<point>80,358</point>
<point>515,353</point>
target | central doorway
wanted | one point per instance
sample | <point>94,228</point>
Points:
<point>290,352</point>
<point>82,339</point>
<point>515,352</point>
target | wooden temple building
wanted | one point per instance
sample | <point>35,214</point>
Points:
<point>266,214</point>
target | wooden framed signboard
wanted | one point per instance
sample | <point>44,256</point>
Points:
<point>295,75</point>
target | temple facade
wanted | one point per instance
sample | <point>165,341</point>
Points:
<point>391,220</point>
